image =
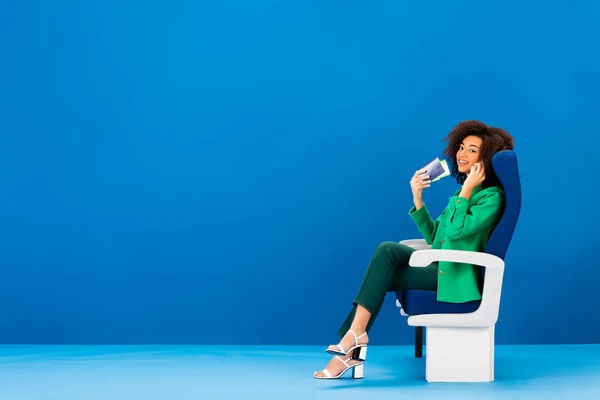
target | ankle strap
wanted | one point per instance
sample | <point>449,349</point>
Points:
<point>356,337</point>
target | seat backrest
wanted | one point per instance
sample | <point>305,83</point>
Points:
<point>507,170</point>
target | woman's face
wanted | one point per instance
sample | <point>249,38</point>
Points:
<point>468,153</point>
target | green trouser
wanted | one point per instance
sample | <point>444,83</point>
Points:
<point>389,271</point>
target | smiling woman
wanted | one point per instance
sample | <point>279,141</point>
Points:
<point>471,142</point>
<point>466,224</point>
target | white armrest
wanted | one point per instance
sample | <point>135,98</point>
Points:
<point>488,311</point>
<point>417,244</point>
<point>410,242</point>
<point>426,257</point>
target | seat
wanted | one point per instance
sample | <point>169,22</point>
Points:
<point>460,337</point>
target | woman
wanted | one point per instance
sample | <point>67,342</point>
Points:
<point>465,224</point>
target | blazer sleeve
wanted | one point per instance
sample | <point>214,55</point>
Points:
<point>469,220</point>
<point>426,225</point>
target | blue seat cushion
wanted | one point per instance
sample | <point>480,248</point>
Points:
<point>419,302</point>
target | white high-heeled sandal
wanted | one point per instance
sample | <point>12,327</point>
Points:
<point>358,369</point>
<point>342,351</point>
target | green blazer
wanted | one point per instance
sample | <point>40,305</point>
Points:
<point>464,225</point>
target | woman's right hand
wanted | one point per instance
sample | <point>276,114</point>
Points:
<point>418,183</point>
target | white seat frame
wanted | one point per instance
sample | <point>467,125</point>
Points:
<point>460,347</point>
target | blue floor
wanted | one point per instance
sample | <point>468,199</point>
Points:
<point>232,372</point>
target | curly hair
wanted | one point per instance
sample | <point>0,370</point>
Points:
<point>493,141</point>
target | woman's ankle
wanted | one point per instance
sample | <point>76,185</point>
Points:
<point>358,331</point>
<point>361,334</point>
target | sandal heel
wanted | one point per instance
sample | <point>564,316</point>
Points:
<point>360,354</point>
<point>358,371</point>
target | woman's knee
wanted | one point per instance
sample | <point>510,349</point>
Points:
<point>385,249</point>
<point>394,251</point>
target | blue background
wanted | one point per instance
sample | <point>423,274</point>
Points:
<point>221,171</point>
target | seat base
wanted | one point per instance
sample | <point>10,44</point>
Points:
<point>419,302</point>
<point>459,354</point>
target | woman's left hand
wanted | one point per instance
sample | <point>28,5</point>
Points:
<point>476,176</point>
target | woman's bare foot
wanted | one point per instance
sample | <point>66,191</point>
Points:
<point>335,366</point>
<point>349,341</point>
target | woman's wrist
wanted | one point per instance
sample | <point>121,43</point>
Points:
<point>418,202</point>
<point>465,192</point>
